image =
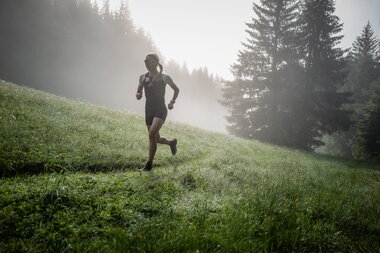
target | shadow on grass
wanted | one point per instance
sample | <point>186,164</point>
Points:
<point>34,168</point>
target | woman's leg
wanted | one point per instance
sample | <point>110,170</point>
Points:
<point>162,140</point>
<point>153,133</point>
<point>172,143</point>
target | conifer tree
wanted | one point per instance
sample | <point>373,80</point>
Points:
<point>363,68</point>
<point>261,98</point>
<point>287,78</point>
<point>106,13</point>
<point>364,71</point>
<point>367,139</point>
<point>324,68</point>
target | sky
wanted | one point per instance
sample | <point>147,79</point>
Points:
<point>209,33</point>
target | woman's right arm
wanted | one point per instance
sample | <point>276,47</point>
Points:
<point>139,90</point>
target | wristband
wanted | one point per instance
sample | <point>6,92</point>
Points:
<point>172,101</point>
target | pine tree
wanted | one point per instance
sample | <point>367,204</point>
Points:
<point>263,98</point>
<point>364,71</point>
<point>123,18</point>
<point>324,63</point>
<point>367,139</point>
<point>364,66</point>
<point>95,8</point>
<point>105,11</point>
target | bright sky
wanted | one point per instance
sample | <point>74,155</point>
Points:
<point>209,32</point>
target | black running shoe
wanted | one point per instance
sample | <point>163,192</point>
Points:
<point>173,146</point>
<point>147,167</point>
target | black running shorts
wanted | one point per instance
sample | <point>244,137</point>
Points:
<point>150,114</point>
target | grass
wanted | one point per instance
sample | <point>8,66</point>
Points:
<point>69,183</point>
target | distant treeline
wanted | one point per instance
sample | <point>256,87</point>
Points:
<point>78,49</point>
<point>294,85</point>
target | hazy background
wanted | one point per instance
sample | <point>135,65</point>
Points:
<point>197,40</point>
<point>95,53</point>
<point>209,33</point>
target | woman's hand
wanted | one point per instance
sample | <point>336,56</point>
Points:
<point>171,105</point>
<point>139,95</point>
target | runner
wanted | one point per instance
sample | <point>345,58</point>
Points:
<point>154,84</point>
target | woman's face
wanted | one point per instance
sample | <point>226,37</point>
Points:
<point>151,63</point>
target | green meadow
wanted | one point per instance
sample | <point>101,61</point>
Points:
<point>70,183</point>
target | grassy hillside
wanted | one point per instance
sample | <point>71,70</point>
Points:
<point>69,183</point>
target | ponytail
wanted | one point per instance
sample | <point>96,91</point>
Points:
<point>161,67</point>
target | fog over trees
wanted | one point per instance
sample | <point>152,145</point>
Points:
<point>363,71</point>
<point>78,49</point>
<point>294,85</point>
<point>288,74</point>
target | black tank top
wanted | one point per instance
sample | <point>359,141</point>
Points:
<point>154,91</point>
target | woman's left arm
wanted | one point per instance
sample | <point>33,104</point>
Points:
<point>170,82</point>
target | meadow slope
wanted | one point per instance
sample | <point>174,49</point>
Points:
<point>70,183</point>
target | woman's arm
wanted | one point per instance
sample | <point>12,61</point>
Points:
<point>170,82</point>
<point>139,90</point>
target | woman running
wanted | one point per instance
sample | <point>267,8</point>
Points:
<point>154,84</point>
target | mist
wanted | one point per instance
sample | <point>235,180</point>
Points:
<point>94,53</point>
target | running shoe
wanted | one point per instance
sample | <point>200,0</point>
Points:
<point>173,146</point>
<point>147,167</point>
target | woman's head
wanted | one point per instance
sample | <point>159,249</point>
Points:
<point>152,61</point>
